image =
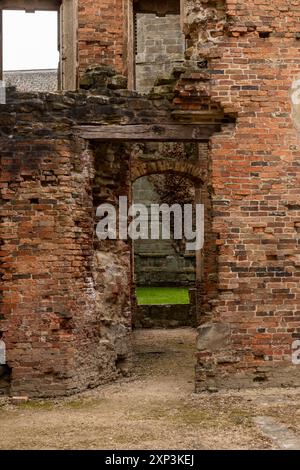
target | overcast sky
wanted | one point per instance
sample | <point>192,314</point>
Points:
<point>29,40</point>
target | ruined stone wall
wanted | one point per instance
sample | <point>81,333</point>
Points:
<point>112,260</point>
<point>160,46</point>
<point>252,51</point>
<point>159,262</point>
<point>164,316</point>
<point>242,72</point>
<point>65,312</point>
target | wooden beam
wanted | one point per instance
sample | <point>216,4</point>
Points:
<point>68,45</point>
<point>130,40</point>
<point>1,45</point>
<point>171,7</point>
<point>32,5</point>
<point>154,132</point>
<point>182,14</point>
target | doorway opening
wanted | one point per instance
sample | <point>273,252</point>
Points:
<point>164,273</point>
<point>31,57</point>
<point>5,370</point>
<point>165,270</point>
<point>124,156</point>
<point>156,42</point>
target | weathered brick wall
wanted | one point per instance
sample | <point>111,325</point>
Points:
<point>207,278</point>
<point>46,256</point>
<point>160,46</point>
<point>243,63</point>
<point>101,34</point>
<point>255,181</point>
<point>65,312</point>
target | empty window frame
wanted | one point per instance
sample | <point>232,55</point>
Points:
<point>154,40</point>
<point>67,34</point>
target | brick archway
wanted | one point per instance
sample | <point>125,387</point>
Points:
<point>197,175</point>
<point>193,172</point>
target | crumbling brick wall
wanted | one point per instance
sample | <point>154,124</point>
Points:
<point>65,297</point>
<point>242,72</point>
<point>102,34</point>
<point>253,56</point>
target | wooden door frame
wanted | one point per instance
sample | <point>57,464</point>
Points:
<point>168,132</point>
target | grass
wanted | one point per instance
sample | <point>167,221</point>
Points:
<point>162,295</point>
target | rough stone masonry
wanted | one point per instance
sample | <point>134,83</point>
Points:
<point>66,299</point>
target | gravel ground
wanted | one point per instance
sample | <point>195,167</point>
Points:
<point>155,408</point>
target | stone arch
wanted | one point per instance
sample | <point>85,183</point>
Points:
<point>197,175</point>
<point>193,172</point>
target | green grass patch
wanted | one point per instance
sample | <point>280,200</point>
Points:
<point>162,295</point>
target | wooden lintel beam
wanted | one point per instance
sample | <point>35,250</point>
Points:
<point>33,5</point>
<point>152,132</point>
<point>171,7</point>
<point>1,45</point>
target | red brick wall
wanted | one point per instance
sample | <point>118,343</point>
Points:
<point>65,310</point>
<point>45,261</point>
<point>65,313</point>
<point>256,182</point>
<point>101,33</point>
<point>207,288</point>
<point>48,310</point>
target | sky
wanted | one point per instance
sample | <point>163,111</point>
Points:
<point>30,40</point>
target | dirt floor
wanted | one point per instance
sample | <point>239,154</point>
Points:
<point>155,408</point>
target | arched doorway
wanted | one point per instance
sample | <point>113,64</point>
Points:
<point>166,274</point>
<point>165,271</point>
<point>119,147</point>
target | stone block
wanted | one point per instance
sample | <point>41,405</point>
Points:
<point>213,336</point>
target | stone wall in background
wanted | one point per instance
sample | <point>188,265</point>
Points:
<point>164,316</point>
<point>32,80</point>
<point>159,262</point>
<point>160,46</point>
